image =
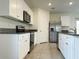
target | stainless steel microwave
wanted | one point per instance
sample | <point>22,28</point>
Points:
<point>26,17</point>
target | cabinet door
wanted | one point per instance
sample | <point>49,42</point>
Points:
<point>24,45</point>
<point>65,20</point>
<point>8,46</point>
<point>19,9</point>
<point>59,42</point>
<point>26,42</point>
<point>12,8</point>
<point>76,48</point>
<point>63,44</point>
<point>69,48</point>
<point>21,47</point>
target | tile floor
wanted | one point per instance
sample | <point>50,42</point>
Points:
<point>45,51</point>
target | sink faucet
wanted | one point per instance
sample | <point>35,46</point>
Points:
<point>72,30</point>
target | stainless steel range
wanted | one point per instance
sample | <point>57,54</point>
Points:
<point>31,40</point>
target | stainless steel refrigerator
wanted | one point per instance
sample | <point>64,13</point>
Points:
<point>54,33</point>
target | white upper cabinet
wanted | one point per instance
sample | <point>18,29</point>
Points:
<point>11,9</point>
<point>19,5</point>
<point>55,19</point>
<point>14,9</point>
<point>65,20</point>
<point>8,8</point>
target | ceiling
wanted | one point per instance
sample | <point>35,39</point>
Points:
<point>58,6</point>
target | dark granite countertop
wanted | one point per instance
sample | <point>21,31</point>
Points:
<point>13,31</point>
<point>68,33</point>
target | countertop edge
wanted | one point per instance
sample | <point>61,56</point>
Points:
<point>13,31</point>
<point>73,34</point>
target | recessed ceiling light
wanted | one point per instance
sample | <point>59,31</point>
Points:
<point>49,4</point>
<point>70,3</point>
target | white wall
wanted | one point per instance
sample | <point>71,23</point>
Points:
<point>35,17</point>
<point>42,22</point>
<point>9,23</point>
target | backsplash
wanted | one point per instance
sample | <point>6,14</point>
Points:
<point>8,23</point>
<point>65,28</point>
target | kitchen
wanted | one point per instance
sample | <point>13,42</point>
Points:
<point>24,28</point>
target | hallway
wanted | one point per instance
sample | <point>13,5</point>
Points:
<point>45,51</point>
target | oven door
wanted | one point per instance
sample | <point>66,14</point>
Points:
<point>31,41</point>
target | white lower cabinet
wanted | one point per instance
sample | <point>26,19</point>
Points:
<point>66,46</point>
<point>24,45</point>
<point>76,48</point>
<point>60,43</point>
<point>69,47</point>
<point>14,46</point>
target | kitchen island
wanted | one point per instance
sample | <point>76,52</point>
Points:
<point>68,45</point>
